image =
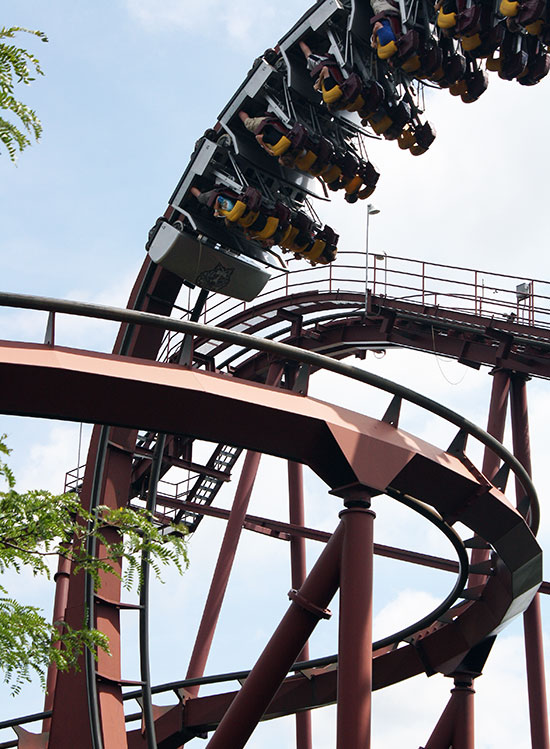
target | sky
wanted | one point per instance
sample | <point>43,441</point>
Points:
<point>129,86</point>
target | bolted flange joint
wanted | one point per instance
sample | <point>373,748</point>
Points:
<point>297,598</point>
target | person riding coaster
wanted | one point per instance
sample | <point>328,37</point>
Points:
<point>338,91</point>
<point>307,241</point>
<point>453,64</point>
<point>390,41</point>
<point>389,119</point>
<point>417,138</point>
<point>294,146</point>
<point>223,202</point>
<point>357,177</point>
<point>313,155</point>
<point>473,84</point>
<point>474,24</point>
<point>243,210</point>
<point>270,133</point>
<point>529,14</point>
<point>290,230</point>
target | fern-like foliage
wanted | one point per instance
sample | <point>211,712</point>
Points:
<point>36,525</point>
<point>17,65</point>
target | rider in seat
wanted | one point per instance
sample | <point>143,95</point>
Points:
<point>338,91</point>
<point>270,132</point>
<point>219,199</point>
<point>383,36</point>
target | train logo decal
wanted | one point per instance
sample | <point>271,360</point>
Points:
<point>215,279</point>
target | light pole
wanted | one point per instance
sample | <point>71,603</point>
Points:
<point>371,211</point>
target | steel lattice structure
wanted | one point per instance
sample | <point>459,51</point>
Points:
<point>455,639</point>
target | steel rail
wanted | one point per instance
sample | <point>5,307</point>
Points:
<point>319,361</point>
<point>145,670</point>
<point>89,592</point>
<point>463,570</point>
<point>435,321</point>
<point>222,307</point>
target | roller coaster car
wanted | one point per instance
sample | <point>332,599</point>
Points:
<point>514,57</point>
<point>538,66</point>
<point>431,58</point>
<point>408,45</point>
<point>199,260</point>
<point>525,13</point>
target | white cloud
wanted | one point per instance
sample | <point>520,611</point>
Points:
<point>47,462</point>
<point>409,606</point>
<point>71,330</point>
<point>172,13</point>
<point>234,23</point>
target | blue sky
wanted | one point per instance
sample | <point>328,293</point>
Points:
<point>129,87</point>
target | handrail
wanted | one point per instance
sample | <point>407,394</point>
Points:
<point>412,276</point>
<point>319,361</point>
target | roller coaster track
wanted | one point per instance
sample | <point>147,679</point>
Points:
<point>119,390</point>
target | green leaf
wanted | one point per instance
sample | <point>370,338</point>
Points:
<point>37,525</point>
<point>17,65</point>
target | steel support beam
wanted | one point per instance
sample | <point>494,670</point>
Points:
<point>226,557</point>
<point>532,621</point>
<point>308,605</point>
<point>455,728</point>
<point>62,579</point>
<point>304,739</point>
<point>222,571</point>
<point>353,730</point>
<point>496,423</point>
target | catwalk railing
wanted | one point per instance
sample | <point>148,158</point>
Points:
<point>524,300</point>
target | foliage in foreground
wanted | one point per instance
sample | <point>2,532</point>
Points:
<point>17,65</point>
<point>37,526</point>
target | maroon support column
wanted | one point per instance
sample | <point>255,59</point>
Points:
<point>62,578</point>
<point>223,568</point>
<point>71,724</point>
<point>304,738</point>
<point>463,693</point>
<point>355,627</point>
<point>455,728</point>
<point>308,605</point>
<point>532,624</point>
<point>496,422</point>
<point>228,549</point>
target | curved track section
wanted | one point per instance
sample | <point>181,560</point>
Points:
<point>354,455</point>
